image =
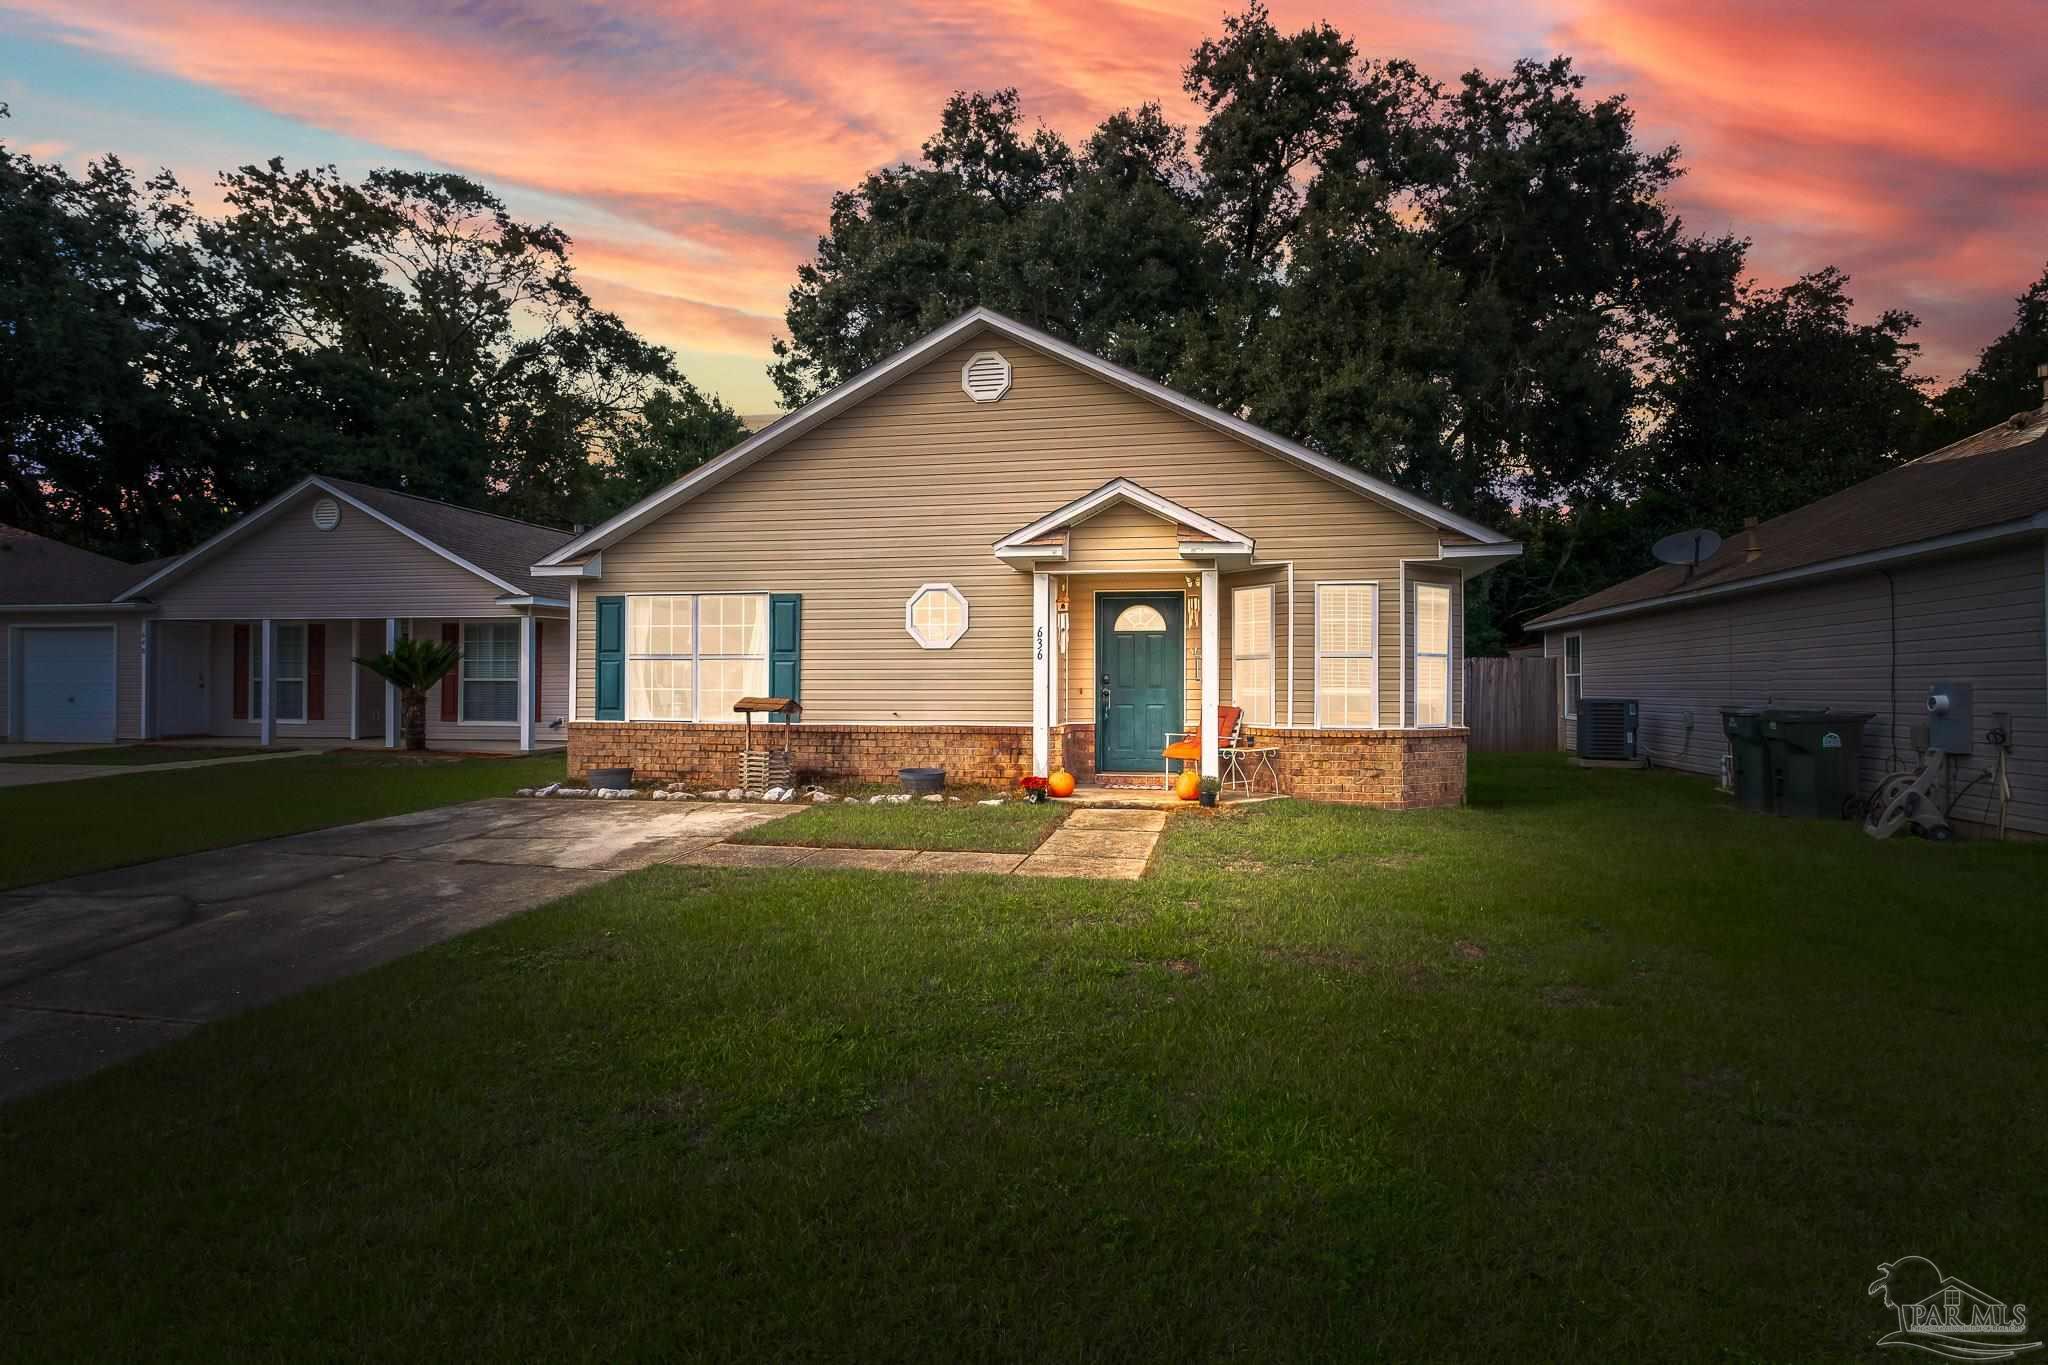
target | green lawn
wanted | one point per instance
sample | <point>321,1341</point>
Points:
<point>1595,1069</point>
<point>137,755</point>
<point>59,829</point>
<point>1013,827</point>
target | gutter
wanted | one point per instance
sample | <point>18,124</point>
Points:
<point>70,608</point>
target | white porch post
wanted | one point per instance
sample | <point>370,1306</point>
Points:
<point>355,680</point>
<point>1041,673</point>
<point>269,681</point>
<point>526,683</point>
<point>390,692</point>
<point>1211,676</point>
<point>148,679</point>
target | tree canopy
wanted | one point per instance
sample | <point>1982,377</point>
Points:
<point>162,371</point>
<point>1479,290</point>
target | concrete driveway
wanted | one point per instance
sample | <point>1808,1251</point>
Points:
<point>98,968</point>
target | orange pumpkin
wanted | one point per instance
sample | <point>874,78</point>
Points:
<point>1188,785</point>
<point>1061,783</point>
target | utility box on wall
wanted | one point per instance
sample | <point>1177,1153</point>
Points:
<point>1949,722</point>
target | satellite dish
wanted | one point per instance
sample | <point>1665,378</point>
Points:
<point>1687,547</point>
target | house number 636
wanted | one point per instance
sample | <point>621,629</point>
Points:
<point>1040,645</point>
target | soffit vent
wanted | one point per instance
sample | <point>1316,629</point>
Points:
<point>986,377</point>
<point>326,514</point>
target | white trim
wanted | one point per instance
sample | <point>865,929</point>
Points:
<point>1270,656</point>
<point>517,680</point>
<point>212,546</point>
<point>879,376</point>
<point>1222,540</point>
<point>390,691</point>
<point>148,681</point>
<point>1415,656</point>
<point>696,657</point>
<point>266,720</point>
<point>1041,684</point>
<point>355,682</point>
<point>1568,673</point>
<point>871,724</point>
<point>910,622</point>
<point>72,608</point>
<point>529,602</point>
<point>1290,642</point>
<point>576,593</point>
<point>592,567</point>
<point>1316,646</point>
<point>1848,563</point>
<point>527,682</point>
<point>1212,680</point>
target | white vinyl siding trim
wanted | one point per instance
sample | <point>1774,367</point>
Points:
<point>489,691</point>
<point>1347,655</point>
<point>690,656</point>
<point>1251,652</point>
<point>1432,655</point>
<point>1574,663</point>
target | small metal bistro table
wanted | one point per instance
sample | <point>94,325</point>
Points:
<point>1245,768</point>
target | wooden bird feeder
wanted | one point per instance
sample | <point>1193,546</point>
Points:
<point>761,769</point>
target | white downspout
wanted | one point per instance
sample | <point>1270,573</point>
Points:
<point>1211,676</point>
<point>526,682</point>
<point>269,700</point>
<point>390,692</point>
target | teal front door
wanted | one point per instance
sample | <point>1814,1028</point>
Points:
<point>1138,660</point>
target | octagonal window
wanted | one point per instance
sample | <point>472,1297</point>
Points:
<point>936,616</point>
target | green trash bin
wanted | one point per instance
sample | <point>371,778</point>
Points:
<point>1744,726</point>
<point>1814,757</point>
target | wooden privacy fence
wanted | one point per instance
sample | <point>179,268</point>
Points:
<point>1511,704</point>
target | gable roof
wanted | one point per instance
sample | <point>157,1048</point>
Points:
<point>38,571</point>
<point>1198,535</point>
<point>966,327</point>
<point>499,550</point>
<point>1984,487</point>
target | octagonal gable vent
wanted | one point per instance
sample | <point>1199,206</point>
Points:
<point>326,514</point>
<point>986,377</point>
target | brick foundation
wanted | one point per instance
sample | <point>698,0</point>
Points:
<point>709,755</point>
<point>1392,769</point>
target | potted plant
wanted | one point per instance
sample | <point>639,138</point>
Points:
<point>413,666</point>
<point>1208,790</point>
<point>1034,789</point>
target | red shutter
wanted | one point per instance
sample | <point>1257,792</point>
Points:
<point>241,673</point>
<point>316,671</point>
<point>539,629</point>
<point>451,635</point>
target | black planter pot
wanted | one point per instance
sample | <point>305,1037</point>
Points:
<point>1208,798</point>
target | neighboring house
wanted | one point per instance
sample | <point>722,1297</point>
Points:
<point>1934,571</point>
<point>996,553</point>
<point>292,593</point>
<point>70,660</point>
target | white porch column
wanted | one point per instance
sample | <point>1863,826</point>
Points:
<point>526,683</point>
<point>269,681</point>
<point>390,692</point>
<point>355,680</point>
<point>148,679</point>
<point>1041,673</point>
<point>1211,676</point>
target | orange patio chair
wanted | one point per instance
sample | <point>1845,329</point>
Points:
<point>1188,748</point>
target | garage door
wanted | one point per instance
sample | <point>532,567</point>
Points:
<point>67,685</point>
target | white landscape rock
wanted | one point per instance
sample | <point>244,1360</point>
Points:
<point>993,801</point>
<point>772,794</point>
<point>935,797</point>
<point>898,798</point>
<point>820,798</point>
<point>549,790</point>
<point>877,799</point>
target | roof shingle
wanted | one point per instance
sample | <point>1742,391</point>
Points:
<point>35,570</point>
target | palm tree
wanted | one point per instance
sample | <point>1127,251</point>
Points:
<point>413,666</point>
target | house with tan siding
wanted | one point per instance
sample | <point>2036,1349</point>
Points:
<point>253,635</point>
<point>998,554</point>
<point>1935,571</point>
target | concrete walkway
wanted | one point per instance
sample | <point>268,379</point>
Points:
<point>1111,844</point>
<point>35,774</point>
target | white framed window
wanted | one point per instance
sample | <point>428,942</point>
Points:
<point>1432,654</point>
<point>936,615</point>
<point>490,673</point>
<point>1347,654</point>
<point>1572,662</point>
<point>289,689</point>
<point>1251,653</point>
<point>691,656</point>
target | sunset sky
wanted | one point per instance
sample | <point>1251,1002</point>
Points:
<point>692,149</point>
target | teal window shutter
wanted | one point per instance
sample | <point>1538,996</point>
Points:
<point>611,658</point>
<point>785,646</point>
